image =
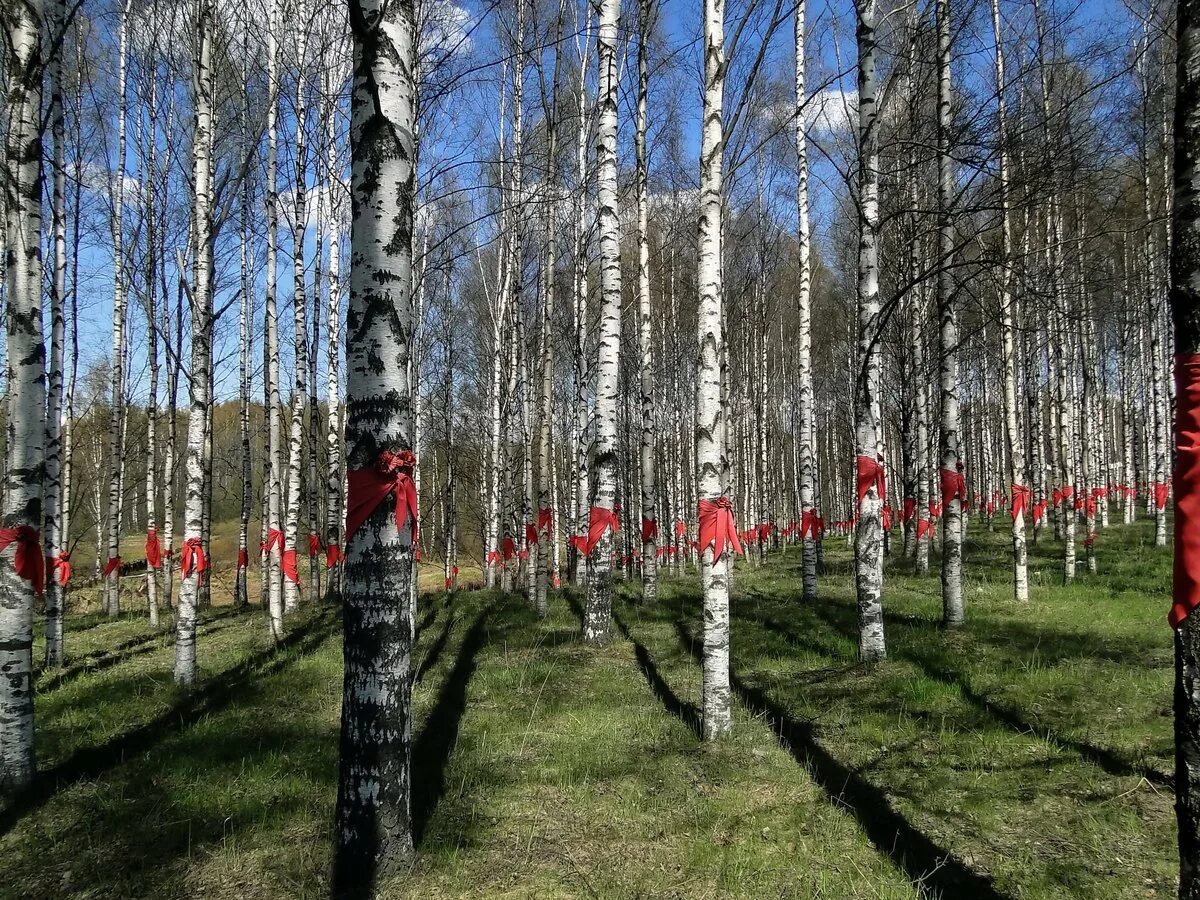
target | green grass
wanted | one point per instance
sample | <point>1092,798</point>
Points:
<point>1025,756</point>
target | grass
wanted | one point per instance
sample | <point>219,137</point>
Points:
<point>1026,756</point>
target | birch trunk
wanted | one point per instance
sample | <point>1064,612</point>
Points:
<point>333,446</point>
<point>245,348</point>
<point>373,822</point>
<point>189,589</point>
<point>868,540</point>
<point>150,182</point>
<point>26,422</point>
<point>804,374</point>
<point>649,476</point>
<point>274,465</point>
<point>112,584</point>
<point>712,461</point>
<point>598,609</point>
<point>54,534</point>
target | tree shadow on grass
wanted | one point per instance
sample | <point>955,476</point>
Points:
<point>685,712</point>
<point>930,867</point>
<point>224,687</point>
<point>432,748</point>
<point>1057,643</point>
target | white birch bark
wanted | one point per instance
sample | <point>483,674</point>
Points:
<point>373,824</point>
<point>271,383</point>
<point>868,541</point>
<point>201,303</point>
<point>597,612</point>
<point>649,475</point>
<point>26,423</point>
<point>804,374</point>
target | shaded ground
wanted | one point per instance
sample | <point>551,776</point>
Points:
<point>1026,756</point>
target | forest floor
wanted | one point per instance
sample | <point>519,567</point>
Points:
<point>1027,755</point>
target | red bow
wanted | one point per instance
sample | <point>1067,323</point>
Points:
<point>680,529</point>
<point>243,559</point>
<point>1161,489</point>
<point>193,559</point>
<point>1090,540</point>
<point>935,510</point>
<point>908,510</point>
<point>545,520</point>
<point>886,516</point>
<point>649,531</point>
<point>1089,507</point>
<point>153,549</point>
<point>60,567</point>
<point>493,558</point>
<point>509,547</point>
<point>333,555</point>
<point>290,566</point>
<point>531,533</point>
<point>522,554</point>
<point>717,527</point>
<point>314,545</point>
<point>1039,512</point>
<point>28,561</point>
<point>113,565</point>
<point>924,527</point>
<point>808,524</point>
<point>368,488</point>
<point>764,532</point>
<point>869,474</point>
<point>954,486</point>
<point>600,520</point>
<point>1022,496</point>
<point>274,539</point>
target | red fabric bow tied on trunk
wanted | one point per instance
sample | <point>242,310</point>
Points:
<point>28,561</point>
<point>290,565</point>
<point>509,548</point>
<point>531,533</point>
<point>113,565</point>
<point>808,524</point>
<point>193,559</point>
<point>153,549</point>
<point>367,488</point>
<point>243,559</point>
<point>274,539</point>
<point>314,545</point>
<point>1022,496</point>
<point>579,542</point>
<point>333,554</point>
<point>924,527</point>
<point>493,558</point>
<point>649,531</point>
<point>60,567</point>
<point>1039,512</point>
<point>717,527</point>
<point>545,520</point>
<point>954,486</point>
<point>869,474</point>
<point>600,520</point>
<point>908,510</point>
<point>1161,489</point>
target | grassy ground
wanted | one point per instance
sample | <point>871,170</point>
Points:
<point>1027,756</point>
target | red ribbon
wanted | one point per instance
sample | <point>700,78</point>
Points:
<point>1185,586</point>
<point>808,524</point>
<point>1022,497</point>
<point>935,510</point>
<point>454,571</point>
<point>1039,512</point>
<point>367,488</point>
<point>680,529</point>
<point>290,566</point>
<point>531,533</point>
<point>113,565</point>
<point>717,527</point>
<point>274,539</point>
<point>60,567</point>
<point>493,558</point>
<point>28,561</point>
<point>1161,489</point>
<point>193,559</point>
<point>545,520</point>
<point>764,532</point>
<point>908,510</point>
<point>243,559</point>
<point>954,485</point>
<point>449,583</point>
<point>509,548</point>
<point>333,554</point>
<point>314,545</point>
<point>153,549</point>
<point>600,520</point>
<point>924,527</point>
<point>885,516</point>
<point>522,554</point>
<point>869,474</point>
<point>649,531</point>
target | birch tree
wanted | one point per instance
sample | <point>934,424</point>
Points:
<point>373,821</point>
